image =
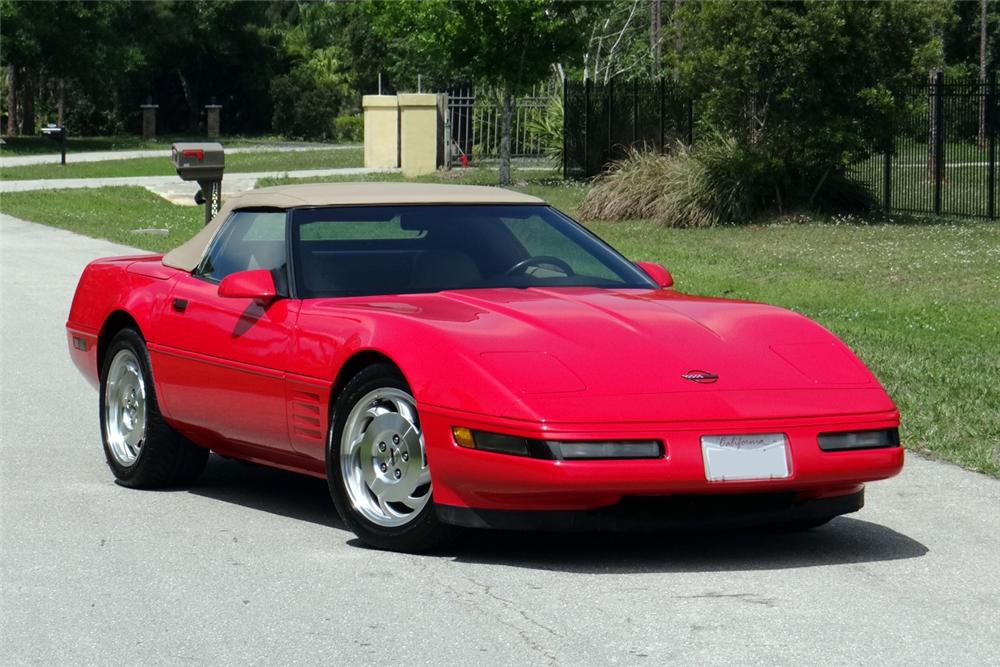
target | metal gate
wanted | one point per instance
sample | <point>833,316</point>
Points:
<point>474,120</point>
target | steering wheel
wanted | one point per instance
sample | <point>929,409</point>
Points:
<point>540,260</point>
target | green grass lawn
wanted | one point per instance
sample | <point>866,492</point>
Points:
<point>108,213</point>
<point>158,166</point>
<point>916,299</point>
<point>40,145</point>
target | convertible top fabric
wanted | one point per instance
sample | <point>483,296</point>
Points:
<point>187,256</point>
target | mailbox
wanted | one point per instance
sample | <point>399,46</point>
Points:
<point>198,162</point>
<point>203,163</point>
<point>58,134</point>
<point>54,131</point>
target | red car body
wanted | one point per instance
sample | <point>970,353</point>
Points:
<point>256,381</point>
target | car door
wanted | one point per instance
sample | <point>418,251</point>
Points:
<point>221,362</point>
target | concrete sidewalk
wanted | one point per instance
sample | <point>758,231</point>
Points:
<point>236,182</point>
<point>102,156</point>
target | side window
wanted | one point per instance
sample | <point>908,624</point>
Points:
<point>247,240</point>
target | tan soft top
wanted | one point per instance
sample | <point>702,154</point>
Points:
<point>187,256</point>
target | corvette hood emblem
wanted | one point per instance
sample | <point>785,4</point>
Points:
<point>701,377</point>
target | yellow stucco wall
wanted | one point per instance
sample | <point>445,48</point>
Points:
<point>418,118</point>
<point>381,131</point>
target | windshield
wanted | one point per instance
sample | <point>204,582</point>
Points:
<point>366,250</point>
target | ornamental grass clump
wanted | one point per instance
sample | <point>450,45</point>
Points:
<point>687,187</point>
<point>718,181</point>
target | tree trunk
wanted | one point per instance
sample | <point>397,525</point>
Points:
<point>655,22</point>
<point>678,40</point>
<point>983,71</point>
<point>12,101</point>
<point>61,105</point>
<point>194,113</point>
<point>819,186</point>
<point>506,128</point>
<point>27,104</point>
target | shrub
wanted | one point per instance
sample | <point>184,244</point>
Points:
<point>349,129</point>
<point>309,96</point>
<point>716,182</point>
<point>547,127</point>
<point>684,188</point>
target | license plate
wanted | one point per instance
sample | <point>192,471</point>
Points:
<point>742,457</point>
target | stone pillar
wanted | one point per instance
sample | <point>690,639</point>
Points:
<point>149,120</point>
<point>212,119</point>
<point>381,127</point>
<point>419,131</point>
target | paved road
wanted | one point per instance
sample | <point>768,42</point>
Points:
<point>252,566</point>
<point>235,182</point>
<point>101,156</point>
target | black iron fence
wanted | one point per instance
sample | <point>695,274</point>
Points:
<point>603,121</point>
<point>940,158</point>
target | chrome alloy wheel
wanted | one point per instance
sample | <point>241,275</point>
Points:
<point>125,408</point>
<point>382,459</point>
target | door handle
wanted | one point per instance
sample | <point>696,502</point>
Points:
<point>180,305</point>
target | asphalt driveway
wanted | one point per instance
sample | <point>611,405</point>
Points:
<point>253,566</point>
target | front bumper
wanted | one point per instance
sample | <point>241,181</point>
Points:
<point>484,481</point>
<point>649,514</point>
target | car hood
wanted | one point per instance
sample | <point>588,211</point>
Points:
<point>569,353</point>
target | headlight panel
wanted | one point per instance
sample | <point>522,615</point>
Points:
<point>556,449</point>
<point>612,449</point>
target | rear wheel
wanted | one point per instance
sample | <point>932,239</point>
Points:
<point>142,450</point>
<point>377,466</point>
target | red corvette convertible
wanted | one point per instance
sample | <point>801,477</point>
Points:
<point>451,355</point>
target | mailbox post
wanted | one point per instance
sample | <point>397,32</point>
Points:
<point>203,163</point>
<point>57,134</point>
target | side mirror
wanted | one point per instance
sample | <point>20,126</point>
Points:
<point>656,271</point>
<point>257,284</point>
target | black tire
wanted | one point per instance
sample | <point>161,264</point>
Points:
<point>165,458</point>
<point>422,532</point>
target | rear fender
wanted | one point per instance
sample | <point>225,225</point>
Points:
<point>108,297</point>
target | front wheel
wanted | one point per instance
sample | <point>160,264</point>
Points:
<point>376,463</point>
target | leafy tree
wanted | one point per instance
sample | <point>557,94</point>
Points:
<point>619,43</point>
<point>53,42</point>
<point>366,50</point>
<point>319,81</point>
<point>100,59</point>
<point>509,45</point>
<point>204,49</point>
<point>806,85</point>
<point>962,37</point>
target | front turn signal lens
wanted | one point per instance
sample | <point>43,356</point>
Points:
<point>463,437</point>
<point>493,442</point>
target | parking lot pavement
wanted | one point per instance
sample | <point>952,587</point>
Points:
<point>252,566</point>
